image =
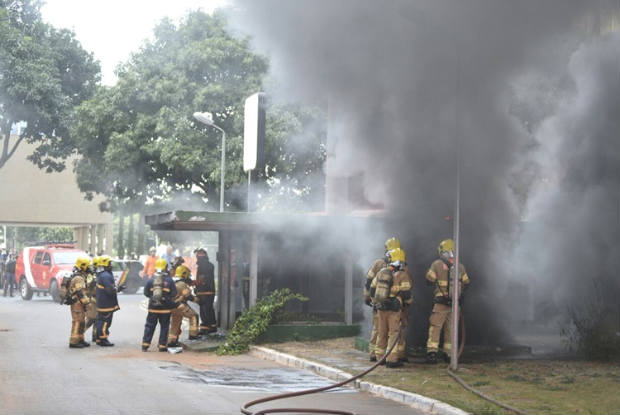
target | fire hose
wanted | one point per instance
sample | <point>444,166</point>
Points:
<point>246,411</point>
<point>469,388</point>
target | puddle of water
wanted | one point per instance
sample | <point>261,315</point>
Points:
<point>277,380</point>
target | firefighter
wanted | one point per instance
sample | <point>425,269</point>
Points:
<point>107,301</point>
<point>161,291</point>
<point>184,294</point>
<point>78,299</point>
<point>91,293</point>
<point>149,264</point>
<point>205,291</point>
<point>389,291</point>
<point>438,275</point>
<point>376,266</point>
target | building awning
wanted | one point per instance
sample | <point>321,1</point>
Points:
<point>181,220</point>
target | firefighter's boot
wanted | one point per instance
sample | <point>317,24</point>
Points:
<point>105,343</point>
<point>397,363</point>
<point>431,358</point>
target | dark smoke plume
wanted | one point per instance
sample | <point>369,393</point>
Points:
<point>406,81</point>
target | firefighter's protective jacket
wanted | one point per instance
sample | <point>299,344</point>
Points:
<point>77,289</point>
<point>106,293</point>
<point>376,266</point>
<point>205,278</point>
<point>169,293</point>
<point>439,275</point>
<point>184,292</point>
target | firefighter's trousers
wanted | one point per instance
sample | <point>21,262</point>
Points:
<point>372,343</point>
<point>389,324</point>
<point>90,318</point>
<point>401,348</point>
<point>161,316</point>
<point>103,323</point>
<point>441,317</point>
<point>178,313</point>
<point>207,313</point>
<point>78,313</point>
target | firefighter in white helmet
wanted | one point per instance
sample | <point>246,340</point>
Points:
<point>438,275</point>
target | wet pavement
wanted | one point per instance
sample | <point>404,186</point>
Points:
<point>39,374</point>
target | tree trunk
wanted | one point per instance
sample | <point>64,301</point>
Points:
<point>130,247</point>
<point>120,247</point>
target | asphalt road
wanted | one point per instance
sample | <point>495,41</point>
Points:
<point>39,374</point>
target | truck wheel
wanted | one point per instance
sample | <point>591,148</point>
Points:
<point>25,289</point>
<point>54,291</point>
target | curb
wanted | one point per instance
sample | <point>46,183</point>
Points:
<point>419,402</point>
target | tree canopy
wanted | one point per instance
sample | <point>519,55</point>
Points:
<point>138,138</point>
<point>44,74</point>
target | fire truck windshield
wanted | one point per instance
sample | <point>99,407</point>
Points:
<point>67,257</point>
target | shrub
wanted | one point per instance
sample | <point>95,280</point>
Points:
<point>254,321</point>
<point>594,328</point>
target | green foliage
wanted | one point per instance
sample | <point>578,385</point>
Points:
<point>594,328</point>
<point>254,321</point>
<point>25,235</point>
<point>44,74</point>
<point>140,142</point>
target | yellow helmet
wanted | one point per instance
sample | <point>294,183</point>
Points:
<point>392,243</point>
<point>397,257</point>
<point>161,264</point>
<point>82,263</point>
<point>447,245</point>
<point>182,272</point>
<point>104,261</point>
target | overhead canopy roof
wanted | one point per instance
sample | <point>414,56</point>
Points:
<point>180,220</point>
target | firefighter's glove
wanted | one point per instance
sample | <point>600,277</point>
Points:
<point>121,288</point>
<point>367,302</point>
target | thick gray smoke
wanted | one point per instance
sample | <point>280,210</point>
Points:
<point>410,82</point>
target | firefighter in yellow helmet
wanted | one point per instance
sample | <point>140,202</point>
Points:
<point>376,266</point>
<point>91,293</point>
<point>78,299</point>
<point>184,294</point>
<point>107,300</point>
<point>389,291</point>
<point>161,291</point>
<point>438,275</point>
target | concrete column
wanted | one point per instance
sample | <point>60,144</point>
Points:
<point>82,237</point>
<point>109,240</point>
<point>348,289</point>
<point>253,268</point>
<point>223,293</point>
<point>92,233</point>
<point>76,236</point>
<point>100,236</point>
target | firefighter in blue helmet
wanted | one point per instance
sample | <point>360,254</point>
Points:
<point>161,291</point>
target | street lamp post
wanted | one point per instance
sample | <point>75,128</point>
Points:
<point>207,118</point>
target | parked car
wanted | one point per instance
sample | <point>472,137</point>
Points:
<point>127,272</point>
<point>41,268</point>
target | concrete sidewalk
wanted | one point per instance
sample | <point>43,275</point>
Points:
<point>416,401</point>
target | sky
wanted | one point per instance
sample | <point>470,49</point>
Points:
<point>112,29</point>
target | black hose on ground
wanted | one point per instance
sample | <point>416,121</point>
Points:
<point>469,388</point>
<point>246,411</point>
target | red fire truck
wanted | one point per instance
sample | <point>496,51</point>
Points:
<point>41,268</point>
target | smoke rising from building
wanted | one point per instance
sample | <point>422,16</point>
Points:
<point>408,83</point>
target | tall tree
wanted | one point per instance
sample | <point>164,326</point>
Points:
<point>44,74</point>
<point>139,140</point>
